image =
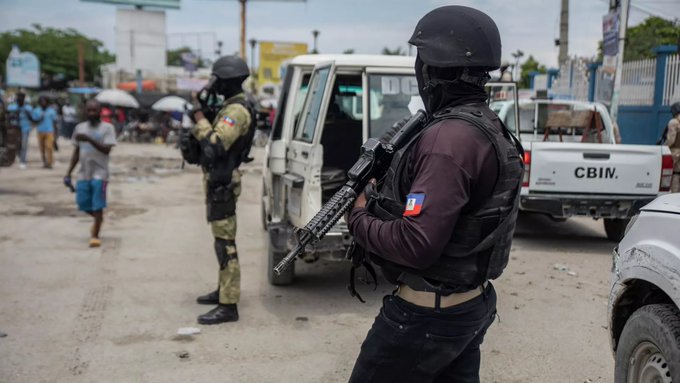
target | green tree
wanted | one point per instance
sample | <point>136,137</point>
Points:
<point>393,52</point>
<point>642,38</point>
<point>57,50</point>
<point>174,57</point>
<point>530,65</point>
<point>348,51</point>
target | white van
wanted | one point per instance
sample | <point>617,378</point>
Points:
<point>329,105</point>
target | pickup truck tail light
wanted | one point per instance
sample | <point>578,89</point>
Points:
<point>527,168</point>
<point>666,173</point>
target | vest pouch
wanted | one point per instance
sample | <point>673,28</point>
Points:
<point>220,202</point>
<point>469,232</point>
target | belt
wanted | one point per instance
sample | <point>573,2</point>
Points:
<point>427,299</point>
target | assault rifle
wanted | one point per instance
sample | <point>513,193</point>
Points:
<point>373,162</point>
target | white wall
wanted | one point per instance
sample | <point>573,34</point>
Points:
<point>140,41</point>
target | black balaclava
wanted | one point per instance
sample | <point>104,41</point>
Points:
<point>442,88</point>
<point>229,87</point>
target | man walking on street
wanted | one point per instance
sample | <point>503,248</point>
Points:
<point>70,119</point>
<point>93,140</point>
<point>673,142</point>
<point>25,121</point>
<point>46,118</point>
<point>440,224</point>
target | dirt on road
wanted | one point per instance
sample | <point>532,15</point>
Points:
<point>75,314</point>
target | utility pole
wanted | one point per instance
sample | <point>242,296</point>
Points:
<point>253,43</point>
<point>624,7</point>
<point>242,45</point>
<point>81,63</point>
<point>243,29</point>
<point>315,33</point>
<point>564,32</point>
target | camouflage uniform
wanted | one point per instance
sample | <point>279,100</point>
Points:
<point>673,142</point>
<point>231,122</point>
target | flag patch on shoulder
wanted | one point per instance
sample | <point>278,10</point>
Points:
<point>414,204</point>
<point>229,121</point>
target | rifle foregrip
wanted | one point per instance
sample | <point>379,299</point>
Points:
<point>322,222</point>
<point>331,212</point>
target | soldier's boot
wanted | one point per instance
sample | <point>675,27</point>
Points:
<point>211,298</point>
<point>220,314</point>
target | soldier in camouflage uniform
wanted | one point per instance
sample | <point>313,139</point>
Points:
<point>223,145</point>
<point>673,142</point>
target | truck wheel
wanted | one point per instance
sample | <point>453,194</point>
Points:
<point>615,228</point>
<point>274,256</point>
<point>649,347</point>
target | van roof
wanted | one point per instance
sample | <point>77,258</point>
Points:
<point>356,60</point>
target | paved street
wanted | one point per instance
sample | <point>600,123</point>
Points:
<point>74,314</point>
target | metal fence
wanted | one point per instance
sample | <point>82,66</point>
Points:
<point>671,88</point>
<point>637,82</point>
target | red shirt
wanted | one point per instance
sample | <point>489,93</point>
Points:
<point>106,115</point>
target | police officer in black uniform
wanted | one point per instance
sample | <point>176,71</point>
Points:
<point>220,142</point>
<point>441,222</point>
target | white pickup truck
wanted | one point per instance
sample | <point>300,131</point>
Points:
<point>573,165</point>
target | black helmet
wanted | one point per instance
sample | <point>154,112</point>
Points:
<point>675,108</point>
<point>457,36</point>
<point>228,67</point>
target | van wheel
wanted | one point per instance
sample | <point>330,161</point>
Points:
<point>615,228</point>
<point>273,258</point>
<point>649,347</point>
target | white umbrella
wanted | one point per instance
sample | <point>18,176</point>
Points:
<point>170,104</point>
<point>117,97</point>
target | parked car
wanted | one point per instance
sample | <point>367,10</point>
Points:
<point>644,302</point>
<point>329,105</point>
<point>574,166</point>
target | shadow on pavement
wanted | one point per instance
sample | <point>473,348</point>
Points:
<point>326,283</point>
<point>537,231</point>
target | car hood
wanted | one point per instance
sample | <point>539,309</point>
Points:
<point>668,203</point>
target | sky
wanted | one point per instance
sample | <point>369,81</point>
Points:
<point>367,26</point>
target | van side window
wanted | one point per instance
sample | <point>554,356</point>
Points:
<point>277,126</point>
<point>304,130</point>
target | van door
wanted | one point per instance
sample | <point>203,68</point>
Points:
<point>304,158</point>
<point>290,102</point>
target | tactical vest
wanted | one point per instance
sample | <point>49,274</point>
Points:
<point>675,145</point>
<point>221,163</point>
<point>479,247</point>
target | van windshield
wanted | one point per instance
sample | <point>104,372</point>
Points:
<point>389,98</point>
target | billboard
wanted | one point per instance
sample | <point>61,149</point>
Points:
<point>141,41</point>
<point>23,69</point>
<point>272,55</point>
<point>169,4</point>
<point>610,33</point>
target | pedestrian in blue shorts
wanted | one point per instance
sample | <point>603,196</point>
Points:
<point>93,140</point>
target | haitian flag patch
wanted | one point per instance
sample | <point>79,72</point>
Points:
<point>229,121</point>
<point>414,204</point>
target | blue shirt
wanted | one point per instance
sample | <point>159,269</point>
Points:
<point>46,118</point>
<point>24,122</point>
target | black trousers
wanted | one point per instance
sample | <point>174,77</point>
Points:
<point>410,343</point>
